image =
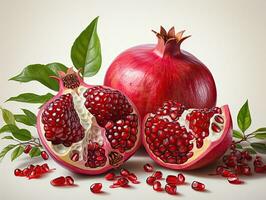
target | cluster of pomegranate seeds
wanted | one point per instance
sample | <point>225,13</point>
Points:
<point>96,188</point>
<point>96,155</point>
<point>62,181</point>
<point>32,171</point>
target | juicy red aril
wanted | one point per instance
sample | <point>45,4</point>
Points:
<point>45,168</point>
<point>27,149</point>
<point>96,188</point>
<point>258,169</point>
<point>157,186</point>
<point>234,180</point>
<point>219,169</point>
<point>96,155</point>
<point>133,178</point>
<point>44,155</point>
<point>110,176</point>
<point>60,181</point>
<point>157,174</point>
<point>75,157</point>
<point>61,122</point>
<point>148,167</point>
<point>69,180</point>
<point>121,182</point>
<point>198,186</point>
<point>171,179</point>
<point>170,189</point>
<point>124,172</point>
<point>18,172</point>
<point>150,180</point>
<point>181,178</point>
<point>245,170</point>
<point>34,174</point>
<point>227,173</point>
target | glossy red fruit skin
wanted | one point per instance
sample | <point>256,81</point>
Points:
<point>96,188</point>
<point>151,74</point>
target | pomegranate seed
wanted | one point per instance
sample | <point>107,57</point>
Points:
<point>219,119</point>
<point>110,176</point>
<point>259,169</point>
<point>44,155</point>
<point>18,172</point>
<point>75,157</point>
<point>171,179</point>
<point>157,186</point>
<point>215,128</point>
<point>234,180</point>
<point>33,174</point>
<point>60,181</point>
<point>157,174</point>
<point>148,167</point>
<point>133,178</point>
<point>181,178</point>
<point>227,173</point>
<point>96,188</point>
<point>198,186</point>
<point>38,169</point>
<point>69,180</point>
<point>124,172</point>
<point>170,189</point>
<point>245,170</point>
<point>45,168</point>
<point>219,169</point>
<point>27,149</point>
<point>26,172</point>
<point>150,180</point>
<point>121,182</point>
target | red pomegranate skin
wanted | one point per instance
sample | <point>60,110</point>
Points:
<point>151,74</point>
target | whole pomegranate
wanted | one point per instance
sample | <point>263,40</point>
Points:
<point>179,138</point>
<point>88,129</point>
<point>151,74</point>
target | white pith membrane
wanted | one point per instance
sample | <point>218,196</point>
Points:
<point>93,132</point>
<point>212,137</point>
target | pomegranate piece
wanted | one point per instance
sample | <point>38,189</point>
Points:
<point>157,174</point>
<point>110,176</point>
<point>170,189</point>
<point>198,186</point>
<point>27,149</point>
<point>175,135</point>
<point>157,186</point>
<point>60,181</point>
<point>88,129</point>
<point>234,180</point>
<point>44,155</point>
<point>96,188</point>
<point>148,167</point>
<point>150,180</point>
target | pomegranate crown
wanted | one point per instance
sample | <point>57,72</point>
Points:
<point>169,42</point>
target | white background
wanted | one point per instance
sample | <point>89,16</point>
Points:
<point>228,36</point>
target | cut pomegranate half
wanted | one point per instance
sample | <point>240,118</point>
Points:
<point>179,138</point>
<point>88,129</point>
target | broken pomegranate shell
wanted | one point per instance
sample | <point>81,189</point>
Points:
<point>183,139</point>
<point>88,129</point>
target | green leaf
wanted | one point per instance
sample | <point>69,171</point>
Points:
<point>6,150</point>
<point>244,118</point>
<point>31,98</point>
<point>259,147</point>
<point>17,152</point>
<point>8,116</point>
<point>20,134</point>
<point>35,152</point>
<point>41,73</point>
<point>238,134</point>
<point>5,128</point>
<point>250,150</point>
<point>238,146</point>
<point>261,135</point>
<point>30,115</point>
<point>24,119</point>
<point>8,138</point>
<point>86,51</point>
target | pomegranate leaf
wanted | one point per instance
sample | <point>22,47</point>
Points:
<point>250,150</point>
<point>30,115</point>
<point>24,119</point>
<point>261,130</point>
<point>8,138</point>
<point>238,146</point>
<point>237,134</point>
<point>261,135</point>
<point>31,98</point>
<point>8,116</point>
<point>41,73</point>
<point>35,152</point>
<point>6,150</point>
<point>259,147</point>
<point>17,152</point>
<point>4,129</point>
<point>244,118</point>
<point>20,134</point>
<point>86,51</point>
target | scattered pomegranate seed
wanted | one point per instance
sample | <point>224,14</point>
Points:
<point>110,176</point>
<point>27,149</point>
<point>121,182</point>
<point>181,178</point>
<point>171,179</point>
<point>69,180</point>
<point>234,180</point>
<point>157,174</point>
<point>60,181</point>
<point>150,180</point>
<point>148,167</point>
<point>96,188</point>
<point>133,178</point>
<point>245,170</point>
<point>157,186</point>
<point>45,168</point>
<point>44,155</point>
<point>227,173</point>
<point>258,169</point>
<point>18,172</point>
<point>170,189</point>
<point>198,186</point>
<point>124,172</point>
